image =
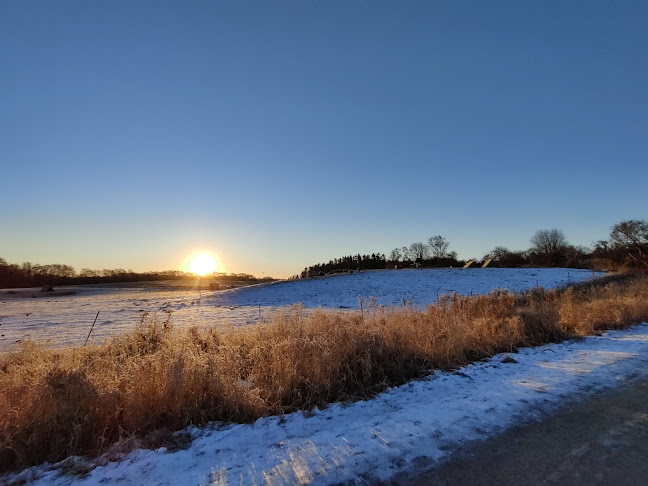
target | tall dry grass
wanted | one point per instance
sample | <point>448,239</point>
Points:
<point>54,402</point>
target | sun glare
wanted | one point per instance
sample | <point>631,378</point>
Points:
<point>202,264</point>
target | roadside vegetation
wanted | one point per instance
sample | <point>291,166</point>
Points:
<point>128,391</point>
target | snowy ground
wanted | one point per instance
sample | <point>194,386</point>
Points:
<point>66,320</point>
<point>418,423</point>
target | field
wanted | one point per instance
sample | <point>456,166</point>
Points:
<point>65,320</point>
<point>138,387</point>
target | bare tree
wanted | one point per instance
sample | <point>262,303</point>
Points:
<point>498,253</point>
<point>507,258</point>
<point>631,238</point>
<point>576,256</point>
<point>395,255</point>
<point>438,246</point>
<point>405,253</point>
<point>418,251</point>
<point>549,245</point>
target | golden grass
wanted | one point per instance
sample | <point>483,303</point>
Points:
<point>55,402</point>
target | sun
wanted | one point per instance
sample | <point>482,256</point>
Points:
<point>202,264</point>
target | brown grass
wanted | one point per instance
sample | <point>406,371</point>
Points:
<point>54,403</point>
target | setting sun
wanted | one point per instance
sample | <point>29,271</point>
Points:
<point>202,264</point>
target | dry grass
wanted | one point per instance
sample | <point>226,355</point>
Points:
<point>54,403</point>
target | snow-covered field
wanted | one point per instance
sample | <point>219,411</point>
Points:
<point>401,429</point>
<point>66,320</point>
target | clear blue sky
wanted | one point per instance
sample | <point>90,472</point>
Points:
<point>281,134</point>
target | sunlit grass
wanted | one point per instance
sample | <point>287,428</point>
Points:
<point>57,402</point>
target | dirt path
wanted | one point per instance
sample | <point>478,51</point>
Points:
<point>601,441</point>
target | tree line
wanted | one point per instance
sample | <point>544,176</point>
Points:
<point>34,275</point>
<point>346,264</point>
<point>626,246</point>
<point>433,254</point>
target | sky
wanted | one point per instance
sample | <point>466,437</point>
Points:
<point>282,134</point>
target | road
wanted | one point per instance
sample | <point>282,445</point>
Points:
<point>603,440</point>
